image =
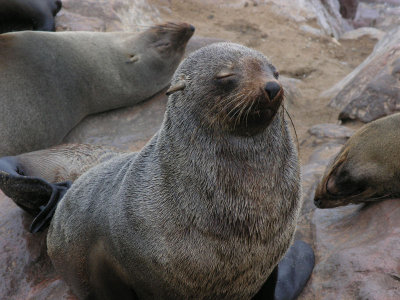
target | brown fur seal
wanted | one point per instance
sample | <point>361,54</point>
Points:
<point>47,89</point>
<point>206,209</point>
<point>366,169</point>
<point>196,213</point>
<point>28,14</point>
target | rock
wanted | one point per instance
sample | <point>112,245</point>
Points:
<point>89,15</point>
<point>312,30</point>
<point>323,133</point>
<point>356,34</point>
<point>112,15</point>
<point>68,21</point>
<point>358,250</point>
<point>372,90</point>
<point>384,15</point>
<point>329,18</point>
<point>324,12</point>
<point>26,271</point>
<point>348,8</point>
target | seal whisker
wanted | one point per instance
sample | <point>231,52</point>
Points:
<point>249,109</point>
<point>294,128</point>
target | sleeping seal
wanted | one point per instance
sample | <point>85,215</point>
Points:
<point>47,89</point>
<point>366,169</point>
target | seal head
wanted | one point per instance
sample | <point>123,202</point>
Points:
<point>242,91</point>
<point>163,48</point>
<point>366,169</point>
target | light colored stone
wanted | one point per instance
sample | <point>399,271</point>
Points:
<point>384,15</point>
<point>370,32</point>
<point>312,30</point>
<point>378,63</point>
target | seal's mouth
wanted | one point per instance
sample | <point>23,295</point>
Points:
<point>332,201</point>
<point>253,113</point>
<point>338,188</point>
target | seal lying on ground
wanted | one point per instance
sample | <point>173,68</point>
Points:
<point>28,14</point>
<point>47,89</point>
<point>206,209</point>
<point>366,169</point>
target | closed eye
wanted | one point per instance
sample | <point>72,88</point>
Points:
<point>223,75</point>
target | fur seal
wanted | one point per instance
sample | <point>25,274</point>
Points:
<point>206,209</point>
<point>366,169</point>
<point>196,213</point>
<point>18,15</point>
<point>47,89</point>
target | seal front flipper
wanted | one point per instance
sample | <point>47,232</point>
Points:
<point>42,220</point>
<point>291,275</point>
<point>34,195</point>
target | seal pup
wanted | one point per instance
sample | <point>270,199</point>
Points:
<point>18,15</point>
<point>47,89</point>
<point>366,169</point>
<point>206,209</point>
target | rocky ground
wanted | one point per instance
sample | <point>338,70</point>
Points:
<point>357,247</point>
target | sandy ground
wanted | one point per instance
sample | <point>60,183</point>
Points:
<point>319,62</point>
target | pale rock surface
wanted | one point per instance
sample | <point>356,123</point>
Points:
<point>370,32</point>
<point>372,90</point>
<point>384,15</point>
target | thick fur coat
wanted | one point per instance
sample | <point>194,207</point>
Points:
<point>203,211</point>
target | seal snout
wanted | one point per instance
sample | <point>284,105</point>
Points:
<point>272,88</point>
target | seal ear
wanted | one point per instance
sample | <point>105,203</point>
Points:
<point>132,58</point>
<point>179,86</point>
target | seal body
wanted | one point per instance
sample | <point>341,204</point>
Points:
<point>206,209</point>
<point>64,162</point>
<point>47,89</point>
<point>18,15</point>
<point>366,169</point>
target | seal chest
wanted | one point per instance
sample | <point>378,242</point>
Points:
<point>206,209</point>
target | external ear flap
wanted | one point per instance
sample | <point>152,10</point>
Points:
<point>179,86</point>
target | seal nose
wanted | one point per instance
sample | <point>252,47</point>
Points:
<point>317,202</point>
<point>191,28</point>
<point>272,88</point>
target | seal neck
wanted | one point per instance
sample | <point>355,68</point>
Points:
<point>228,185</point>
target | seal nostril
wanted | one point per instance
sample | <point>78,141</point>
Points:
<point>272,88</point>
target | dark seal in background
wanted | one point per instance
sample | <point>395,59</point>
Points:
<point>17,15</point>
